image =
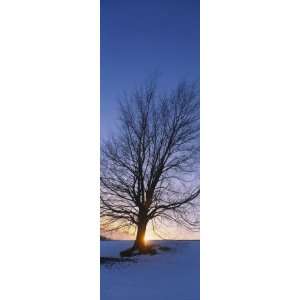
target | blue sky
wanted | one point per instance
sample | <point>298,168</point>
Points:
<point>139,38</point>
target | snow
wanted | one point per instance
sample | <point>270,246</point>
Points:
<point>172,275</point>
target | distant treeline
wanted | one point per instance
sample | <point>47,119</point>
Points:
<point>103,238</point>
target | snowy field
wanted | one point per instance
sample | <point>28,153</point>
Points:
<point>169,275</point>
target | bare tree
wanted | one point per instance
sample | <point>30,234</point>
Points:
<point>147,168</point>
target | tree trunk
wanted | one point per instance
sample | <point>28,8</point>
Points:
<point>140,236</point>
<point>139,243</point>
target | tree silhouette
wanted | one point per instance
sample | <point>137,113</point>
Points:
<point>147,169</point>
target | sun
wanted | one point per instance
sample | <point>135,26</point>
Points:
<point>146,239</point>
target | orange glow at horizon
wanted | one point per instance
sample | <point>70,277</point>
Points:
<point>172,232</point>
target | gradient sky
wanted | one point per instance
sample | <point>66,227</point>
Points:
<point>139,38</point>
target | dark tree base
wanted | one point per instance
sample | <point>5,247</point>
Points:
<point>135,251</point>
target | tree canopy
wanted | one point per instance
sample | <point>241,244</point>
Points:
<point>150,168</point>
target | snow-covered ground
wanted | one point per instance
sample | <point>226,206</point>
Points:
<point>172,275</point>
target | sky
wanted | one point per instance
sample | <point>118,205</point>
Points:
<point>140,38</point>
